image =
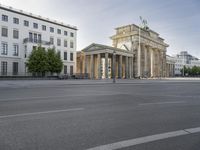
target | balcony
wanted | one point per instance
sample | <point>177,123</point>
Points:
<point>36,41</point>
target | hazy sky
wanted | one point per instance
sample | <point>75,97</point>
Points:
<point>177,21</point>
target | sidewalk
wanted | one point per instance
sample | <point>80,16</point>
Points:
<point>53,83</point>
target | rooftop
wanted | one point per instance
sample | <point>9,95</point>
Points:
<point>21,12</point>
<point>136,27</point>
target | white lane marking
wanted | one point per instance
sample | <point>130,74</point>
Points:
<point>64,96</point>
<point>42,112</point>
<point>146,139</point>
<point>193,130</point>
<point>162,103</point>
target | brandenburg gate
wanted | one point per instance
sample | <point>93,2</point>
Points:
<point>148,48</point>
<point>139,52</point>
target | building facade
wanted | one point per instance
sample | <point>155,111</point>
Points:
<point>21,31</point>
<point>148,48</point>
<point>170,66</point>
<point>184,59</point>
<point>101,62</point>
<point>136,52</point>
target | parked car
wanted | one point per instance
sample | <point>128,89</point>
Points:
<point>63,76</point>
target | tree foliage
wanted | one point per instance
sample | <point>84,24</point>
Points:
<point>41,61</point>
<point>55,63</point>
<point>194,71</point>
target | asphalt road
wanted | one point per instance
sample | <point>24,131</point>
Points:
<point>62,115</point>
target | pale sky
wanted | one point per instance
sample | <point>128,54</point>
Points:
<point>177,21</point>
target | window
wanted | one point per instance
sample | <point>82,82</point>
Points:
<point>16,20</point>
<point>71,44</point>
<point>65,69</point>
<point>65,33</point>
<point>65,43</point>
<point>26,23</point>
<point>44,28</point>
<point>15,68</point>
<point>71,57</point>
<point>4,65</point>
<point>72,34</point>
<point>25,51</point>
<point>71,70</point>
<point>35,37</point>
<point>4,32</point>
<point>65,55</point>
<point>51,29</point>
<point>15,34</point>
<point>30,37</point>
<point>58,31</point>
<point>39,38</point>
<point>58,42</point>
<point>35,25</point>
<point>4,48</point>
<point>51,40</point>
<point>5,18</point>
<point>15,49</point>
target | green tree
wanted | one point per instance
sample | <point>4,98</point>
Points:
<point>195,70</point>
<point>189,71</point>
<point>54,61</point>
<point>198,71</point>
<point>37,62</point>
<point>184,71</point>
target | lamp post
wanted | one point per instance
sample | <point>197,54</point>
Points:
<point>113,67</point>
<point>162,64</point>
<point>139,53</point>
<point>183,66</point>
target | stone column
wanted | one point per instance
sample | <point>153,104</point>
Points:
<point>148,62</point>
<point>114,66</point>
<point>106,65</point>
<point>86,65</point>
<point>157,63</point>
<point>130,67</point>
<point>92,66</point>
<point>126,66</point>
<point>161,63</point>
<point>120,67</point>
<point>164,63</point>
<point>152,62</point>
<point>99,66</point>
<point>145,61</point>
<point>139,61</point>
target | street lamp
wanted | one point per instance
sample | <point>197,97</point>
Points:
<point>183,66</point>
<point>162,64</point>
<point>139,50</point>
<point>113,68</point>
<point>143,26</point>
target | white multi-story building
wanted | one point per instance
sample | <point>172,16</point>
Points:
<point>170,66</point>
<point>185,59</point>
<point>20,32</point>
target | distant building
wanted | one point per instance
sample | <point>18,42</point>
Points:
<point>20,32</point>
<point>170,66</point>
<point>185,59</point>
